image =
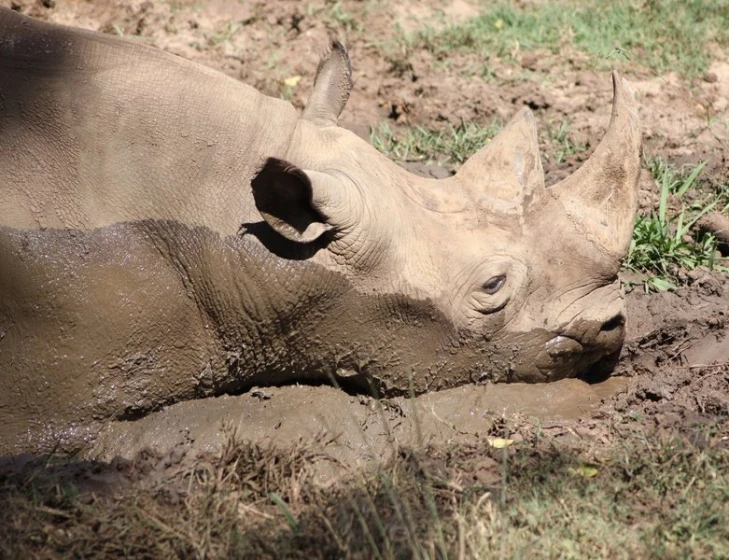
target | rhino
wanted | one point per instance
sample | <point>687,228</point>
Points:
<point>168,233</point>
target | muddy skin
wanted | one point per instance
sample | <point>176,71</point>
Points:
<point>669,338</point>
<point>201,315</point>
<point>189,316</point>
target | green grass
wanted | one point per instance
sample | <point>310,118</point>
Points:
<point>421,144</point>
<point>566,145</point>
<point>663,241</point>
<point>663,35</point>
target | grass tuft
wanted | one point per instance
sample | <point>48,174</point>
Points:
<point>566,145</point>
<point>664,242</point>
<point>420,144</point>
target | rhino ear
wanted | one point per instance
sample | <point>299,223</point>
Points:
<point>508,171</point>
<point>293,202</point>
<point>332,85</point>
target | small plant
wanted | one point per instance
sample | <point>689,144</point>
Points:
<point>420,144</point>
<point>662,241</point>
<point>344,19</point>
<point>566,146</point>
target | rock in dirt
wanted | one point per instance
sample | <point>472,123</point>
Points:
<point>718,225</point>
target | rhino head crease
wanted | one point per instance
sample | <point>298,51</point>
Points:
<point>127,279</point>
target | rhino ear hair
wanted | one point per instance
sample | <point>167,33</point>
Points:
<point>332,85</point>
<point>507,172</point>
<point>290,201</point>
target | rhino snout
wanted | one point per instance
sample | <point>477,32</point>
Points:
<point>581,345</point>
<point>604,336</point>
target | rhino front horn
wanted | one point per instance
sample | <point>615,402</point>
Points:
<point>601,197</point>
<point>332,85</point>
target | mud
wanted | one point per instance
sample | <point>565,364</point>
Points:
<point>675,357</point>
<point>673,372</point>
<point>348,428</point>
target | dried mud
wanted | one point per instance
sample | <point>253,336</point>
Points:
<point>673,373</point>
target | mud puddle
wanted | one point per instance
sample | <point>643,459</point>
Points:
<point>351,429</point>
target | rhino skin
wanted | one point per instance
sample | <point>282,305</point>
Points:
<point>168,233</point>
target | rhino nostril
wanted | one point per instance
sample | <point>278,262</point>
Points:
<point>616,322</point>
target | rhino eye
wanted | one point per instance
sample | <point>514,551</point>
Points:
<point>494,284</point>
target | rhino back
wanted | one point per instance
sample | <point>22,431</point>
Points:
<point>95,130</point>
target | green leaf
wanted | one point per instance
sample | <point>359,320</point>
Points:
<point>660,284</point>
<point>690,179</point>
<point>279,501</point>
<point>585,471</point>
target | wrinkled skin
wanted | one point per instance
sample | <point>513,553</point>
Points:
<point>167,233</point>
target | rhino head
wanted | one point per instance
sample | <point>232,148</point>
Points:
<point>525,276</point>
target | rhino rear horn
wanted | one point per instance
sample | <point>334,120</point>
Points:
<point>504,175</point>
<point>601,197</point>
<point>332,85</point>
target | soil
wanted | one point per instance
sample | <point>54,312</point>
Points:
<point>673,372</point>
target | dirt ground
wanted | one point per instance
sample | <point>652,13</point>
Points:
<point>673,374</point>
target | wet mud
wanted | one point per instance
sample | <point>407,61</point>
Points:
<point>348,428</point>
